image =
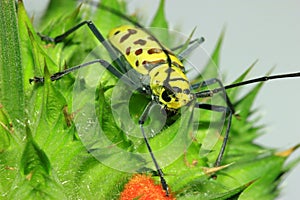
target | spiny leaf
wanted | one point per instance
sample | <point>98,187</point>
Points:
<point>229,194</point>
<point>160,22</point>
<point>39,57</point>
<point>64,51</point>
<point>288,152</point>
<point>246,169</point>
<point>106,20</point>
<point>210,171</point>
<point>159,19</point>
<point>234,91</point>
<point>184,50</point>
<point>36,181</point>
<point>265,185</point>
<point>10,149</point>
<point>32,157</point>
<point>26,32</point>
<point>56,8</point>
<point>243,106</point>
<point>52,107</point>
<point>211,68</point>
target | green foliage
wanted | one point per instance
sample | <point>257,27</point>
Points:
<point>11,71</point>
<point>43,157</point>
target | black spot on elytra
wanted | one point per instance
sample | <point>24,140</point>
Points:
<point>149,65</point>
<point>117,32</point>
<point>132,31</point>
<point>128,51</point>
<point>127,35</point>
<point>138,52</point>
<point>140,42</point>
<point>154,50</point>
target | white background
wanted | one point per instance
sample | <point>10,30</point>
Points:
<point>267,30</point>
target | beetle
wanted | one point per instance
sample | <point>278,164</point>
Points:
<point>161,72</point>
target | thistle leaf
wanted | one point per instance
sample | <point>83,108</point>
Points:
<point>56,159</point>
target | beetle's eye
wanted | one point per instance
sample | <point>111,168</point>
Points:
<point>165,96</point>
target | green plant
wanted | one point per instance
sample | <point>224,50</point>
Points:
<point>41,154</point>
